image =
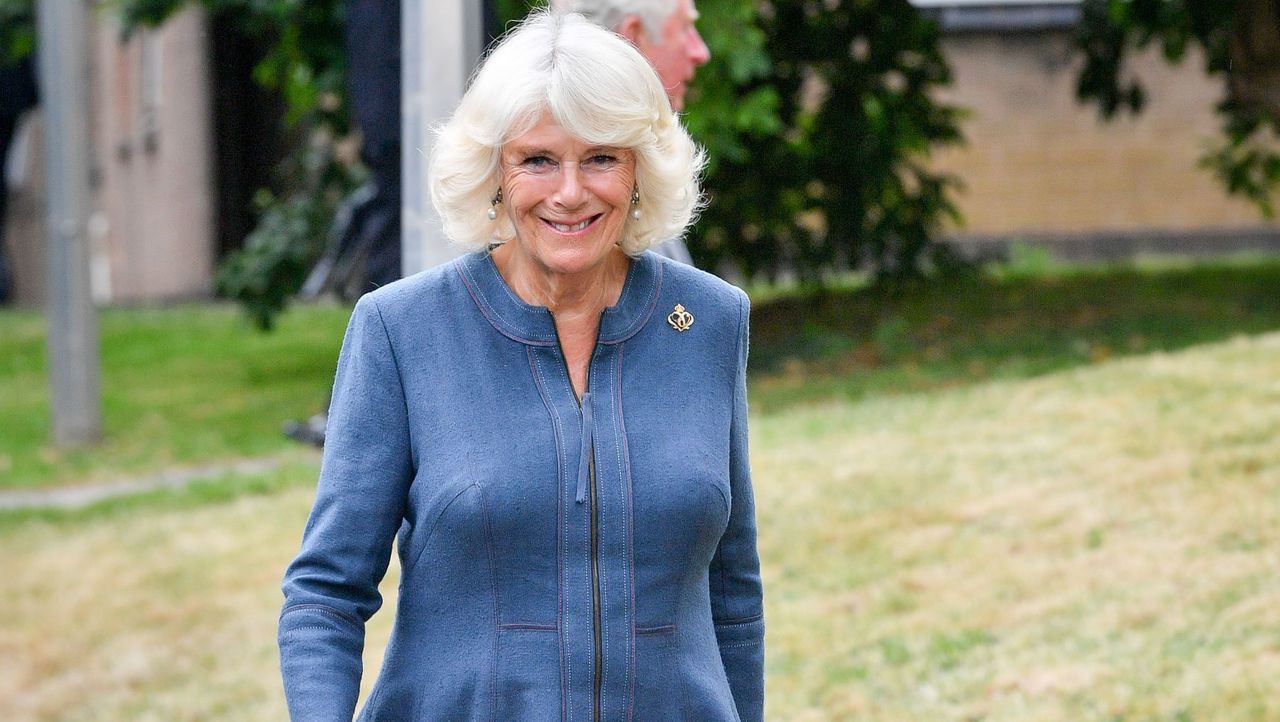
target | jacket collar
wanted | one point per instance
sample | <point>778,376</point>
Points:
<point>534,325</point>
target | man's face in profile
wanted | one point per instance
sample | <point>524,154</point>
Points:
<point>679,52</point>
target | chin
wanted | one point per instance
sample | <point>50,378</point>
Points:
<point>572,260</point>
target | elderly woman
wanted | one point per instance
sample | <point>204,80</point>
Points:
<point>555,425</point>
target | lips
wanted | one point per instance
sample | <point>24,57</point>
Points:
<point>571,227</point>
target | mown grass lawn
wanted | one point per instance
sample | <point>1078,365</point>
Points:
<point>1075,536</point>
<point>180,386</point>
<point>1096,544</point>
<point>195,384</point>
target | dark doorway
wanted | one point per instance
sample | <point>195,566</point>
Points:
<point>247,122</point>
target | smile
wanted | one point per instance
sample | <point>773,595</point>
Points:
<point>572,227</point>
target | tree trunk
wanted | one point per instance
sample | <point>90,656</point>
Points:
<point>1254,53</point>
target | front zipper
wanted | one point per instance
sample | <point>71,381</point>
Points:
<point>590,450</point>
<point>595,585</point>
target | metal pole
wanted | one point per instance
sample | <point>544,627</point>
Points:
<point>440,45</point>
<point>62,27</point>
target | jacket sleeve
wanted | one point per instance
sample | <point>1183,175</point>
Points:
<point>737,597</point>
<point>331,588</point>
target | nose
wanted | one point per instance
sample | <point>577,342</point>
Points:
<point>569,193</point>
<point>699,53</point>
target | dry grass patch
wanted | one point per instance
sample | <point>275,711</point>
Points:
<point>1095,545</point>
<point>160,615</point>
<point>1100,544</point>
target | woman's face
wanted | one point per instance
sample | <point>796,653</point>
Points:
<point>568,200</point>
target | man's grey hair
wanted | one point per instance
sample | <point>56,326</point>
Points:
<point>611,13</point>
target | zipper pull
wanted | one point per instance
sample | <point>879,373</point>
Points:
<point>584,459</point>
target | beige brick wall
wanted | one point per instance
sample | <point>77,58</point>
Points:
<point>152,236</point>
<point>1039,162</point>
<point>154,147</point>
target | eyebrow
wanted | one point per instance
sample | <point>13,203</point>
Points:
<point>530,150</point>
<point>538,150</point>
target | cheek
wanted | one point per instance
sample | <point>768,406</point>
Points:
<point>675,63</point>
<point>517,196</point>
<point>618,192</point>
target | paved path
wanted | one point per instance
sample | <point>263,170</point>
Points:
<point>82,495</point>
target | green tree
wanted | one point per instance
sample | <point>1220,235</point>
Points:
<point>17,30</point>
<point>1239,41</point>
<point>821,117</point>
<point>818,119</point>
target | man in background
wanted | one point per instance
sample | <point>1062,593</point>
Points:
<point>663,31</point>
<point>17,96</point>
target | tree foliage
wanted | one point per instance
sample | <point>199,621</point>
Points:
<point>818,118</point>
<point>817,115</point>
<point>17,30</point>
<point>1239,41</point>
<point>821,117</point>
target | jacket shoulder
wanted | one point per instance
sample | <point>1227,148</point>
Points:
<point>709,290</point>
<point>435,291</point>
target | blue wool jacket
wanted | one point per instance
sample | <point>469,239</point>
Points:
<point>561,560</point>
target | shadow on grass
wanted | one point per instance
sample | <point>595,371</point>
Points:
<point>853,343</point>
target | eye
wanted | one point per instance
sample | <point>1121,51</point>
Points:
<point>538,163</point>
<point>602,160</point>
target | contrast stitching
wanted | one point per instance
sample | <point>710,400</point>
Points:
<point>661,629</point>
<point>629,523</point>
<point>506,290</point>
<point>497,602</point>
<point>646,311</point>
<point>325,609</point>
<point>738,620</point>
<point>604,584</point>
<point>493,267</point>
<point>742,322</point>
<point>431,532</point>
<point>586,528</point>
<point>408,431</point>
<point>304,627</point>
<point>493,562</point>
<point>522,627</point>
<point>486,309</point>
<point>566,667</point>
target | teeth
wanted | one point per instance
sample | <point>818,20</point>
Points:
<point>570,229</point>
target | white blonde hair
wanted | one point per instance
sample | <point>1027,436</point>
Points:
<point>596,86</point>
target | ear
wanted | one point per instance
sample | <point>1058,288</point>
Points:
<point>632,29</point>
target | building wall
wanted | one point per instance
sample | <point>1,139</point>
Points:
<point>152,233</point>
<point>154,147</point>
<point>1039,163</point>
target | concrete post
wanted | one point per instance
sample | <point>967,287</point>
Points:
<point>63,30</point>
<point>440,45</point>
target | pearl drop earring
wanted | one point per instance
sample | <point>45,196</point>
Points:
<point>493,206</point>
<point>635,203</point>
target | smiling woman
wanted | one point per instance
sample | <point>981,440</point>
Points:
<point>599,91</point>
<point>575,520</point>
<point>567,200</point>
